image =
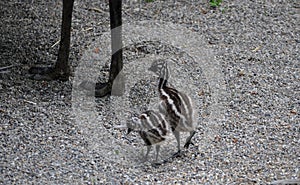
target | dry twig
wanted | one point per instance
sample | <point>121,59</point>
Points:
<point>6,67</point>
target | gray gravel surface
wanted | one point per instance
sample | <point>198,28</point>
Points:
<point>47,136</point>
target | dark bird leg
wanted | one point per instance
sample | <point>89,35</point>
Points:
<point>61,70</point>
<point>188,140</point>
<point>179,152</point>
<point>115,10</point>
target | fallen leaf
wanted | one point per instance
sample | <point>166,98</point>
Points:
<point>201,93</point>
<point>96,50</point>
<point>203,11</point>
<point>235,140</point>
<point>217,138</point>
<point>241,73</point>
<point>253,93</point>
<point>256,49</point>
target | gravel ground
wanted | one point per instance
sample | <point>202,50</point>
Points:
<point>52,133</point>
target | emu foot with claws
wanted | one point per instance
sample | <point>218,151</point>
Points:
<point>48,74</point>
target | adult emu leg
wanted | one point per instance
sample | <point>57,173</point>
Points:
<point>61,70</point>
<point>115,10</point>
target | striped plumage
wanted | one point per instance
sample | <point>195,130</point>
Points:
<point>175,105</point>
<point>153,129</point>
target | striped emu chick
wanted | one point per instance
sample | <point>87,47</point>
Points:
<point>175,105</point>
<point>153,129</point>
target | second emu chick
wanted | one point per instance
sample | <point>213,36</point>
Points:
<point>153,129</point>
